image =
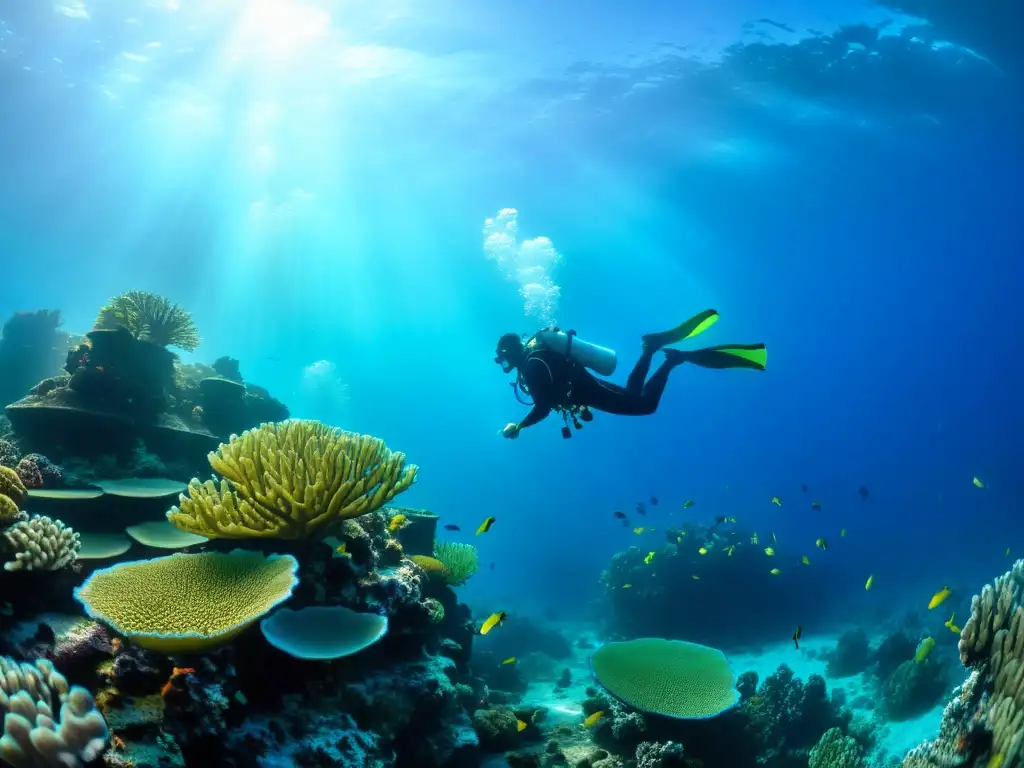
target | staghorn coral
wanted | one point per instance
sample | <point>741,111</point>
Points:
<point>150,317</point>
<point>460,561</point>
<point>292,480</point>
<point>11,485</point>
<point>40,544</point>
<point>834,750</point>
<point>47,723</point>
<point>188,603</point>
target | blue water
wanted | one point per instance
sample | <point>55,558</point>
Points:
<point>311,181</point>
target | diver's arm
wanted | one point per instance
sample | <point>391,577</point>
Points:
<point>540,383</point>
<point>537,413</point>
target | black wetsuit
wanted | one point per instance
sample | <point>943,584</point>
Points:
<point>555,381</point>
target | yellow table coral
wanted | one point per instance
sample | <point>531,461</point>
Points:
<point>188,603</point>
<point>291,480</point>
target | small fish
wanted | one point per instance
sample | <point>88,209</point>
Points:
<point>978,483</point>
<point>869,582</point>
<point>729,549</point>
<point>777,501</point>
<point>648,558</point>
<point>654,501</point>
<point>640,508</point>
<point>485,526</point>
<point>397,523</point>
<point>724,519</point>
<point>951,626</point>
<point>509,660</point>
<point>591,721</point>
<point>627,586</point>
<point>863,492</point>
<point>842,533</point>
<point>821,544</point>
<point>521,726</point>
<point>816,506</point>
<point>619,514</point>
<point>679,539</point>
<point>688,503</point>
<point>342,550</point>
<point>638,531</point>
<point>695,577</point>
<point>774,539</point>
<point>452,527</point>
<point>774,571</point>
<point>803,487</point>
<point>805,560</point>
<point>703,551</point>
<point>924,649</point>
<point>797,635</point>
<point>770,551</point>
<point>753,539</point>
<point>995,761</point>
<point>493,621</point>
<point>939,598</point>
<point>1007,552</point>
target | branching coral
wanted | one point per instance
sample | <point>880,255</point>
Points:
<point>150,317</point>
<point>184,603</point>
<point>46,721</point>
<point>292,480</point>
<point>460,561</point>
<point>40,544</point>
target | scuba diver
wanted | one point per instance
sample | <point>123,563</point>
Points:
<point>552,370</point>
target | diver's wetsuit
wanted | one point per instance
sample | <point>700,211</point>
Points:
<point>554,381</point>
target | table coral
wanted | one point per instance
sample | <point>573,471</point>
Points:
<point>292,480</point>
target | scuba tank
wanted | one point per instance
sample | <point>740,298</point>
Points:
<point>600,360</point>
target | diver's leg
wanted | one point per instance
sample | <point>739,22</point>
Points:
<point>635,382</point>
<point>655,386</point>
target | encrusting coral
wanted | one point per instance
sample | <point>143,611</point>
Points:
<point>150,317</point>
<point>292,480</point>
<point>40,544</point>
<point>46,721</point>
<point>185,603</point>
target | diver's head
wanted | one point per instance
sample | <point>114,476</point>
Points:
<point>510,353</point>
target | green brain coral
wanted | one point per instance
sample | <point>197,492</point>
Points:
<point>188,603</point>
<point>667,677</point>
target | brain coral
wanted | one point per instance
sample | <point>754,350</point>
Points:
<point>292,480</point>
<point>9,512</point>
<point>667,677</point>
<point>11,485</point>
<point>187,603</point>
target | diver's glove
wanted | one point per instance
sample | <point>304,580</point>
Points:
<point>511,431</point>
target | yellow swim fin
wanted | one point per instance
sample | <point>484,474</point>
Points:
<point>753,356</point>
<point>695,325</point>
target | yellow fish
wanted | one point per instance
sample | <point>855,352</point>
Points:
<point>776,501</point>
<point>650,556</point>
<point>591,721</point>
<point>870,581</point>
<point>703,550</point>
<point>951,626</point>
<point>688,503</point>
<point>627,586</point>
<point>938,598</point>
<point>1007,552</point>
<point>638,531</point>
<point>485,526</point>
<point>924,649</point>
<point>520,725</point>
<point>821,544</point>
<point>753,539</point>
<point>679,539</point>
<point>995,761</point>
<point>343,550</point>
<point>695,577</point>
<point>978,483</point>
<point>805,560</point>
<point>397,523</point>
<point>769,551</point>
<point>774,571</point>
<point>509,660</point>
<point>730,548</point>
<point>842,532</point>
<point>492,621</point>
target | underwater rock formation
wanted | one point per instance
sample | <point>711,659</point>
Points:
<point>32,348</point>
<point>851,656</point>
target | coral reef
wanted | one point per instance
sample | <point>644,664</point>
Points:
<point>149,317</point>
<point>39,544</point>
<point>835,750</point>
<point>458,561</point>
<point>292,480</point>
<point>913,688</point>
<point>851,656</point>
